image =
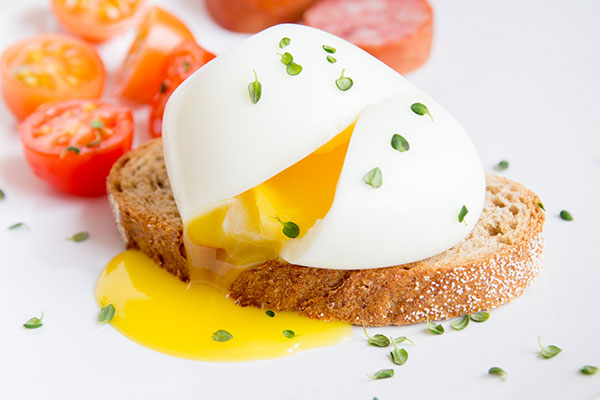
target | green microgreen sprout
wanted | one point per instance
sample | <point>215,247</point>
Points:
<point>460,323</point>
<point>34,322</point>
<point>106,314</point>
<point>343,82</point>
<point>378,340</point>
<point>373,178</point>
<point>421,109</point>
<point>499,372</point>
<point>255,89</point>
<point>400,143</point>
<point>548,351</point>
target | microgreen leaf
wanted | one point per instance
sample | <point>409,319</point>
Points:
<point>106,314</point>
<point>79,237</point>
<point>378,340</point>
<point>328,49</point>
<point>255,89</point>
<point>421,109</point>
<point>290,229</point>
<point>502,165</point>
<point>548,351</point>
<point>284,42</point>
<point>541,205</point>
<point>400,143</point>
<point>163,87</point>
<point>289,333</point>
<point>221,336</point>
<point>34,322</point>
<point>331,59</point>
<point>343,82</point>
<point>18,225</point>
<point>70,149</point>
<point>589,370</point>
<point>270,313</point>
<point>186,66</point>
<point>480,316</point>
<point>461,323</point>
<point>286,58</point>
<point>398,356</point>
<point>96,141</point>
<point>293,68</point>
<point>382,374</point>
<point>373,178</point>
<point>401,339</point>
<point>565,215</point>
<point>499,372</point>
<point>2,194</point>
<point>96,124</point>
<point>436,329</point>
<point>463,213</point>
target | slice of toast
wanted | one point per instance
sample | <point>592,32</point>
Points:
<point>492,266</point>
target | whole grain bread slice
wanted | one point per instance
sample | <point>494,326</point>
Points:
<point>492,266</point>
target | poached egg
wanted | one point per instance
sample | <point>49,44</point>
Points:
<point>331,167</point>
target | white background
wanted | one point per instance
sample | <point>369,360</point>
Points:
<point>521,76</point>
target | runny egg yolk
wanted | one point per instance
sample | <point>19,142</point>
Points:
<point>157,310</point>
<point>248,229</point>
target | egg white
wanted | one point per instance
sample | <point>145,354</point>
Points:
<point>218,144</point>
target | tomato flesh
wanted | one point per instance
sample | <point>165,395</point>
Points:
<point>182,62</point>
<point>96,20</point>
<point>159,33</point>
<point>73,144</point>
<point>48,68</point>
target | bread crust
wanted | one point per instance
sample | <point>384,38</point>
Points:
<point>432,289</point>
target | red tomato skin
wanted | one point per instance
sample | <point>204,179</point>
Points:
<point>89,30</point>
<point>79,174</point>
<point>139,77</point>
<point>173,76</point>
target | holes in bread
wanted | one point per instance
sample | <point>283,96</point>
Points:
<point>498,202</point>
<point>514,210</point>
<point>493,230</point>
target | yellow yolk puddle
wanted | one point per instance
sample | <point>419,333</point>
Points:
<point>157,310</point>
<point>248,228</point>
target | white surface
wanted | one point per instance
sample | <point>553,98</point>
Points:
<point>218,145</point>
<point>522,77</point>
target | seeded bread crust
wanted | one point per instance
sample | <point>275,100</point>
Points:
<point>489,268</point>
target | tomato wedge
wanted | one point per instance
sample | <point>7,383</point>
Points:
<point>48,68</point>
<point>183,61</point>
<point>159,33</point>
<point>73,144</point>
<point>96,20</point>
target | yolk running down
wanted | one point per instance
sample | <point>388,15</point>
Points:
<point>249,229</point>
<point>157,310</point>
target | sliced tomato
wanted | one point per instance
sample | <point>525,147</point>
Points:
<point>96,20</point>
<point>48,68</point>
<point>159,33</point>
<point>183,61</point>
<point>73,144</point>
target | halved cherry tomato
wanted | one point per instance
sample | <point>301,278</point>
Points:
<point>159,33</point>
<point>48,68</point>
<point>73,144</point>
<point>183,61</point>
<point>96,20</point>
